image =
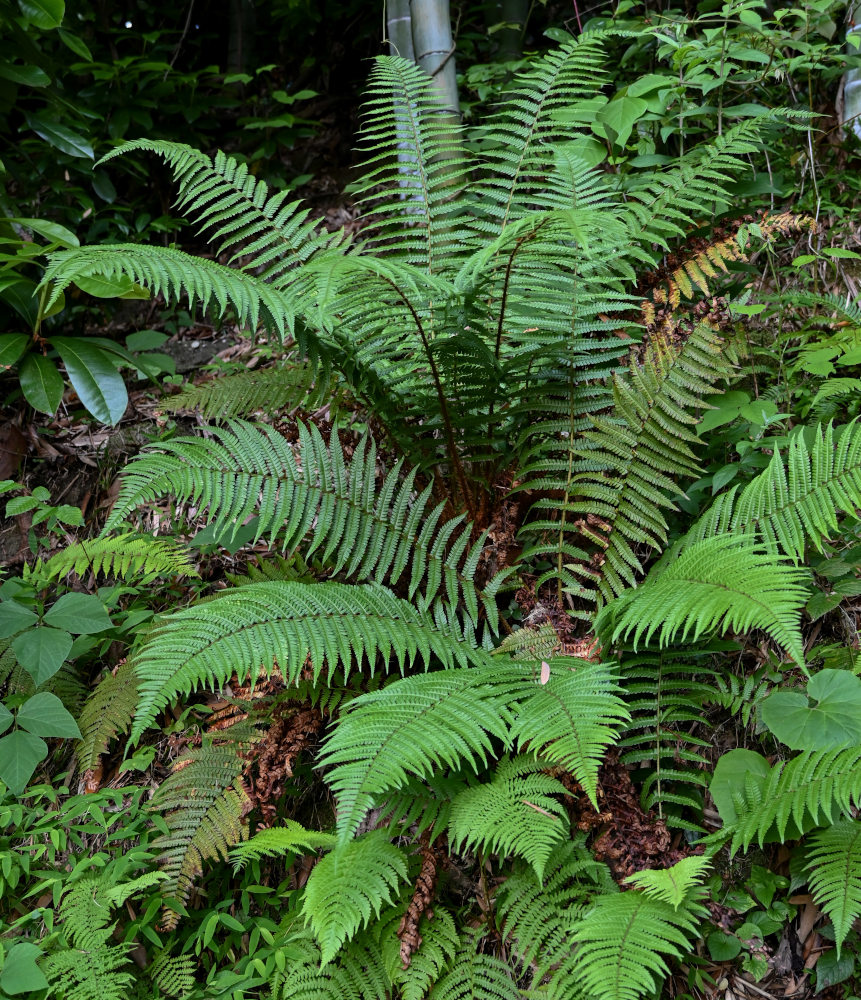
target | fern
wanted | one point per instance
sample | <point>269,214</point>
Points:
<point>410,727</point>
<point>107,714</point>
<point>266,390</point>
<point>834,866</point>
<point>173,975</point>
<point>203,805</point>
<point>720,583</point>
<point>248,630</point>
<point>792,503</point>
<point>439,944</point>
<point>677,885</point>
<point>358,972</point>
<point>813,788</point>
<point>624,941</point>
<point>572,719</point>
<point>349,885</point>
<point>512,814</point>
<point>474,976</point>
<point>292,837</point>
<point>129,556</point>
<point>360,531</point>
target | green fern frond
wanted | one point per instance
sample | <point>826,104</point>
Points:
<point>512,814</point>
<point>723,583</point>
<point>474,976</point>
<point>349,886</point>
<point>358,972</point>
<point>439,943</point>
<point>530,643</point>
<point>411,727</point>
<point>677,885</point>
<point>236,207</point>
<point>616,487</point>
<point>797,501</point>
<point>92,974</point>
<point>203,805</point>
<point>248,630</point>
<point>265,390</point>
<point>290,838</point>
<point>129,556</point>
<point>334,506</point>
<point>813,788</point>
<point>173,975</point>
<point>834,866</point>
<point>624,941</point>
<point>572,718</point>
<point>107,714</point>
<point>536,918</point>
<point>173,274</point>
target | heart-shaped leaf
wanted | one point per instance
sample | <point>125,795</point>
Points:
<point>20,753</point>
<point>44,715</point>
<point>80,614</point>
<point>828,717</point>
<point>5,718</point>
<point>99,385</point>
<point>20,973</point>
<point>42,651</point>
<point>14,617</point>
<point>41,383</point>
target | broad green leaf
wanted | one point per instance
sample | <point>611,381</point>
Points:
<point>827,718</point>
<point>60,137</point>
<point>98,384</point>
<point>44,715</point>
<point>733,771</point>
<point>41,651</point>
<point>80,614</point>
<point>727,407</point>
<point>5,718</point>
<point>119,287</point>
<point>14,617</point>
<point>12,346</point>
<point>619,117</point>
<point>27,76</point>
<point>75,44</point>
<point>20,294</point>
<point>45,14</point>
<point>41,383</point>
<point>51,231</point>
<point>723,947</point>
<point>20,973</point>
<point>20,753</point>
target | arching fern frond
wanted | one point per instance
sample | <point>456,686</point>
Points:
<point>107,714</point>
<point>677,886</point>
<point>289,838</point>
<point>793,502</point>
<point>248,630</point>
<point>204,806</point>
<point>624,941</point>
<point>358,972</point>
<point>514,813</point>
<point>265,390</point>
<point>172,273</point>
<point>129,556</point>
<point>237,208</point>
<point>834,866</point>
<point>813,788</point>
<point>723,583</point>
<point>349,886</point>
<point>411,727</point>
<point>573,718</point>
<point>474,976</point>
<point>315,496</point>
<point>173,975</point>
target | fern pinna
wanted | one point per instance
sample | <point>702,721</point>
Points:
<point>524,430</point>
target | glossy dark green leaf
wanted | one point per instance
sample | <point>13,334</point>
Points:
<point>44,715</point>
<point>27,76</point>
<point>21,294</point>
<point>51,231</point>
<point>41,651</point>
<point>20,753</point>
<point>99,385</point>
<point>41,383</point>
<point>12,346</point>
<point>75,44</point>
<point>60,137</point>
<point>102,287</point>
<point>80,614</point>
<point>44,14</point>
<point>826,718</point>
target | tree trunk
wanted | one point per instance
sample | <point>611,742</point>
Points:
<point>512,13</point>
<point>851,112</point>
<point>434,48</point>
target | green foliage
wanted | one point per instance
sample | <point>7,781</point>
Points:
<point>107,714</point>
<point>834,864</point>
<point>127,556</point>
<point>672,885</point>
<point>349,885</point>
